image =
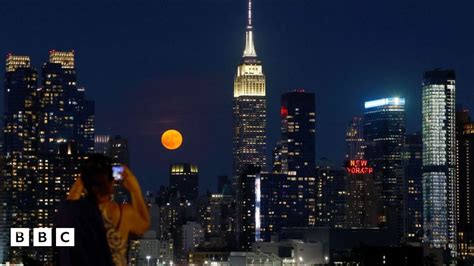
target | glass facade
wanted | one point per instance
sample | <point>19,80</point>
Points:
<point>439,159</point>
<point>384,133</point>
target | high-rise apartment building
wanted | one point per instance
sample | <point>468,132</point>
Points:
<point>249,108</point>
<point>439,159</point>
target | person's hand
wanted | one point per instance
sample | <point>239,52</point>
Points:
<point>129,180</point>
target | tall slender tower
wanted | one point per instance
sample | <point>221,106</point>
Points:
<point>439,159</point>
<point>18,179</point>
<point>249,107</point>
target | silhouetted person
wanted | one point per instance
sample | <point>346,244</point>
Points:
<point>102,225</point>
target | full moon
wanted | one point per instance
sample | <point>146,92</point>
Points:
<point>171,139</point>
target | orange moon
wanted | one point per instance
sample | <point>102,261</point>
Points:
<point>171,139</point>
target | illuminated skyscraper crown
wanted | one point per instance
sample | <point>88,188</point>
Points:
<point>249,45</point>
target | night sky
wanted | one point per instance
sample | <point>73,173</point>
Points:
<point>154,65</point>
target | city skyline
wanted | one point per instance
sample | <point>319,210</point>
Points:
<point>107,81</point>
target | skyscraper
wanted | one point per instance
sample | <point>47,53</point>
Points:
<point>439,159</point>
<point>412,188</point>
<point>20,150</point>
<point>48,132</point>
<point>249,108</point>
<point>384,133</point>
<point>298,127</point>
<point>184,178</point>
<point>465,184</point>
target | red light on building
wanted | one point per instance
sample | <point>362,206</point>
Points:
<point>283,111</point>
<point>359,167</point>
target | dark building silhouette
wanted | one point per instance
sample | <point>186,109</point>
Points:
<point>298,127</point>
<point>298,122</point>
<point>223,182</point>
<point>465,184</point>
<point>184,177</point>
<point>413,188</point>
<point>384,133</point>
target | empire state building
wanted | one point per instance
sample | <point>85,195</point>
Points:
<point>249,107</point>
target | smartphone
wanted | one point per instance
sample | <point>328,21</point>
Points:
<point>117,172</point>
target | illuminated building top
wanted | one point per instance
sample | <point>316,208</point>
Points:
<point>386,101</point>
<point>66,59</point>
<point>250,80</point>
<point>249,45</point>
<point>184,169</point>
<point>16,61</point>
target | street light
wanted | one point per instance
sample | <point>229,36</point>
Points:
<point>148,257</point>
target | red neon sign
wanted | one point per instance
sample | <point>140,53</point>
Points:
<point>359,167</point>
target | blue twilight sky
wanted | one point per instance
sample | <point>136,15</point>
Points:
<point>157,64</point>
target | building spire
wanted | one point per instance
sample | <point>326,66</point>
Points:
<point>249,45</point>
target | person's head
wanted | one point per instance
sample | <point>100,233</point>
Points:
<point>96,175</point>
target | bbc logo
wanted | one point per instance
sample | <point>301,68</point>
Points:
<point>42,237</point>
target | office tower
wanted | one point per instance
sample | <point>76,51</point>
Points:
<point>355,139</point>
<point>362,195</point>
<point>249,108</point>
<point>298,127</point>
<point>439,159</point>
<point>412,188</point>
<point>248,208</point>
<point>384,133</point>
<point>101,144</point>
<point>297,114</point>
<point>184,178</point>
<point>118,150</point>
<point>65,135</point>
<point>48,132</point>
<point>19,150</point>
<point>331,196</point>
<point>465,184</point>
